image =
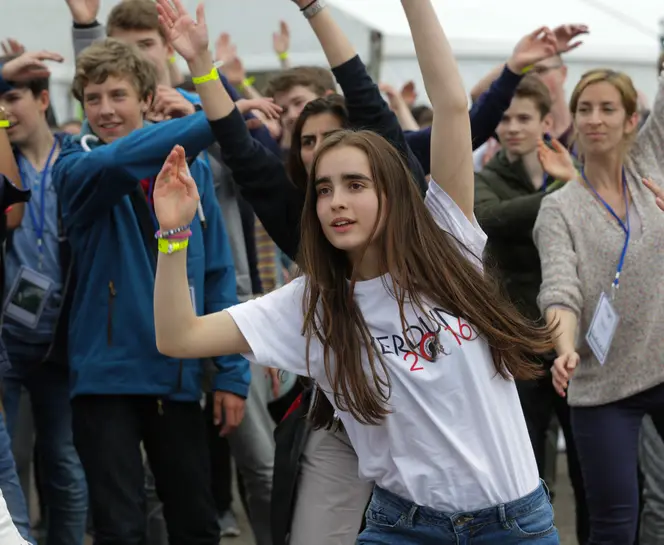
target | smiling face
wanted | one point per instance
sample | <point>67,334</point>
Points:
<point>347,202</point>
<point>602,121</point>
<point>26,112</point>
<point>113,108</point>
<point>292,102</point>
<point>521,126</point>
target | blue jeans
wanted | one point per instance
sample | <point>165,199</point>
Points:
<point>392,520</point>
<point>607,439</point>
<point>63,476</point>
<point>11,487</point>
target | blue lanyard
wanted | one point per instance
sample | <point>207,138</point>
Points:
<point>624,224</point>
<point>39,226</point>
<point>545,179</point>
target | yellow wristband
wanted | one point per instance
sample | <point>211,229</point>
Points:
<point>527,68</point>
<point>248,82</point>
<point>213,75</point>
<point>283,56</point>
<point>171,246</point>
<point>4,124</point>
<point>173,59</point>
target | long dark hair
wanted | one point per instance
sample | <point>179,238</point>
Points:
<point>423,262</point>
<point>332,104</point>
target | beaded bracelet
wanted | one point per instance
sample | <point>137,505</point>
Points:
<point>171,232</point>
<point>179,236</point>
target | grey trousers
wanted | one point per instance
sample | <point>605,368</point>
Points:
<point>651,454</point>
<point>331,498</point>
<point>252,447</point>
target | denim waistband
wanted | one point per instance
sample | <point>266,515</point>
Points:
<point>498,513</point>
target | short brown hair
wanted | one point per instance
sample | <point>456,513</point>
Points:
<point>319,80</point>
<point>532,87</point>
<point>114,58</point>
<point>134,15</point>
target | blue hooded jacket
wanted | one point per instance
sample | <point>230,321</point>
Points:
<point>110,225</point>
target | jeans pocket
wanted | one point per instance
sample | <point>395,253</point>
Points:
<point>535,523</point>
<point>384,516</point>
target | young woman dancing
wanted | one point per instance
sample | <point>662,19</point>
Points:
<point>393,318</point>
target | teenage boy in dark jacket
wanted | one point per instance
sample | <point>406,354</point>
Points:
<point>124,392</point>
<point>508,194</point>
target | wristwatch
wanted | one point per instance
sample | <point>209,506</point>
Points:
<point>313,9</point>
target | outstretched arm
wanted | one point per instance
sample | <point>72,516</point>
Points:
<point>452,156</point>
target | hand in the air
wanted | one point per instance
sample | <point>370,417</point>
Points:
<point>188,37</point>
<point>532,48</point>
<point>175,192</point>
<point>29,66</point>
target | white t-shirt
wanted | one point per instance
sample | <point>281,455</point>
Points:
<point>456,439</point>
<point>8,533</point>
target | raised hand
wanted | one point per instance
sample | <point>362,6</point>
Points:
<point>264,105</point>
<point>281,39</point>
<point>13,47</point>
<point>534,47</point>
<point>564,34</point>
<point>224,48</point>
<point>175,192</point>
<point>84,12</point>
<point>188,37</point>
<point>562,370</point>
<point>657,191</point>
<point>29,66</point>
<point>409,93</point>
<point>556,162</point>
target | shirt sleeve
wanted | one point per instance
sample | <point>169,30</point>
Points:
<point>452,220</point>
<point>272,326</point>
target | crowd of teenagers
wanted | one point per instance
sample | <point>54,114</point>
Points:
<point>382,313</point>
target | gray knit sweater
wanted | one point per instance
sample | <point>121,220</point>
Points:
<point>580,243</point>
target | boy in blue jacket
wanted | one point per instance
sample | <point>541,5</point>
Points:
<point>123,391</point>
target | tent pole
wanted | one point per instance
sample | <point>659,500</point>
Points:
<point>375,55</point>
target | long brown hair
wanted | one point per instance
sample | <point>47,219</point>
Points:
<point>423,262</point>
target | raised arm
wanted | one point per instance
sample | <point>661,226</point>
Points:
<point>182,334</point>
<point>366,107</point>
<point>260,174</point>
<point>451,146</point>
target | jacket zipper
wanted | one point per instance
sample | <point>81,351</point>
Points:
<point>160,407</point>
<point>111,298</point>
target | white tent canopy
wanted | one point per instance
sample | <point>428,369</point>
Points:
<point>485,27</point>
<point>482,32</point>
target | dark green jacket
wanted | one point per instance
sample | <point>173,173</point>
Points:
<point>506,206</point>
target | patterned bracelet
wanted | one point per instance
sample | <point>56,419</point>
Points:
<point>171,232</point>
<point>179,236</point>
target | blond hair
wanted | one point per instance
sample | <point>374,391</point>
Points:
<point>629,97</point>
<point>114,58</point>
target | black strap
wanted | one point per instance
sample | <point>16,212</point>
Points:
<point>142,210</point>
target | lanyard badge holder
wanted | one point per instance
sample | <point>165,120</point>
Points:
<point>605,318</point>
<point>39,226</point>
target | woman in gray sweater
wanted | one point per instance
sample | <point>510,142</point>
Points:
<point>600,240</point>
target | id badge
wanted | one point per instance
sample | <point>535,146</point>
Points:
<point>602,328</point>
<point>192,294</point>
<point>27,297</point>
